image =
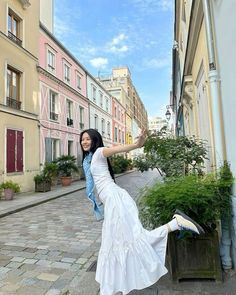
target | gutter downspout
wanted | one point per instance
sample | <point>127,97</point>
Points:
<point>218,130</point>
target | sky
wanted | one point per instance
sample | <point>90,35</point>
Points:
<point>104,34</point>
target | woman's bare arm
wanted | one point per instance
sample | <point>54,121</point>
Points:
<point>110,151</point>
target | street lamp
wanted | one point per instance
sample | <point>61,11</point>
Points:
<point>168,115</point>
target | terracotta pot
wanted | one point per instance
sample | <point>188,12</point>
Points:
<point>66,180</point>
<point>8,193</point>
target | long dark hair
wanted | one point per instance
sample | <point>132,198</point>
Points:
<point>97,142</point>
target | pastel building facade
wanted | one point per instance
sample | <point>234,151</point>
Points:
<point>118,122</point>
<point>100,109</point>
<point>63,103</point>
<point>19,90</point>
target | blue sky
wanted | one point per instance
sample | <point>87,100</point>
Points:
<point>103,34</point>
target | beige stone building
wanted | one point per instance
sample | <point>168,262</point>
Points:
<point>120,85</point>
<point>19,90</point>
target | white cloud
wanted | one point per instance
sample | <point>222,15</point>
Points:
<point>99,62</point>
<point>149,6</point>
<point>117,45</point>
<point>157,63</point>
<point>118,39</point>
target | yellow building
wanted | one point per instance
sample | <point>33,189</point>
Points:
<point>19,88</point>
<point>191,90</point>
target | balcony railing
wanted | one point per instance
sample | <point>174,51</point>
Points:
<point>13,103</point>
<point>53,116</point>
<point>14,38</point>
<point>69,122</point>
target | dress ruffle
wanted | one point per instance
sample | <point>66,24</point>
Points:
<point>130,257</point>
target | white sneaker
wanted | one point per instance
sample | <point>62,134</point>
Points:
<point>186,223</point>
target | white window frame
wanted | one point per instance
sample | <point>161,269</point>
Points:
<point>101,99</point>
<point>66,72</point>
<point>53,106</point>
<point>81,117</point>
<point>103,126</point>
<point>51,67</point>
<point>78,81</point>
<point>96,121</point>
<point>55,142</point>
<point>94,93</point>
<point>109,129</point>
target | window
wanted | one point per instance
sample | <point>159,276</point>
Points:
<point>119,135</point>
<point>66,73</point>
<point>94,93</point>
<point>52,149</point>
<point>101,100</point>
<point>14,151</point>
<point>119,115</point>
<point>96,122</point>
<point>123,137</point>
<point>70,147</point>
<point>115,112</point>
<point>13,88</point>
<point>107,104</point>
<point>78,81</point>
<point>109,129</point>
<point>81,117</point>
<point>53,106</point>
<point>103,126</point>
<point>14,27</point>
<point>69,111</point>
<point>115,134</point>
<point>51,61</point>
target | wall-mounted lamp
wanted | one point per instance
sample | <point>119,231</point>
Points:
<point>168,113</point>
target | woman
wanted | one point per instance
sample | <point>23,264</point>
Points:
<point>130,257</point>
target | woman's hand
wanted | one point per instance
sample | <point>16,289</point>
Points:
<point>141,138</point>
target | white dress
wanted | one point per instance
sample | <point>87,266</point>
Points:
<point>130,257</point>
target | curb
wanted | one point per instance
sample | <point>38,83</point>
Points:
<point>47,199</point>
<point>26,206</point>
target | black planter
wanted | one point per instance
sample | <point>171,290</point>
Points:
<point>194,257</point>
<point>43,186</point>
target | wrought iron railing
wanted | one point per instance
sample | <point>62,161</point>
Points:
<point>13,103</point>
<point>14,38</point>
<point>69,122</point>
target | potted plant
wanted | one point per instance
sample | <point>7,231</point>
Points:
<point>66,165</point>
<point>42,182</point>
<point>205,199</point>
<point>9,187</point>
<point>51,169</point>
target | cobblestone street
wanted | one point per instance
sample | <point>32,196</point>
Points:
<point>46,249</point>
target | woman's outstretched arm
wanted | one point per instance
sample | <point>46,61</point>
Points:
<point>110,151</point>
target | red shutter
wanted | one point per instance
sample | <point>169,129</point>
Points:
<point>19,151</point>
<point>11,143</point>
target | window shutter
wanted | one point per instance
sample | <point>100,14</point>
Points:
<point>19,151</point>
<point>48,150</point>
<point>11,142</point>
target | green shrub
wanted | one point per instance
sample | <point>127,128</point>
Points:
<point>205,199</point>
<point>120,164</point>
<point>10,185</point>
<point>173,156</point>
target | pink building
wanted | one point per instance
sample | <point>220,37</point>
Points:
<point>118,122</point>
<point>63,103</point>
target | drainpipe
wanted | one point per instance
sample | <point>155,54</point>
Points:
<point>218,125</point>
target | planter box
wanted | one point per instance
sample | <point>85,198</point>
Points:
<point>43,186</point>
<point>194,257</point>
